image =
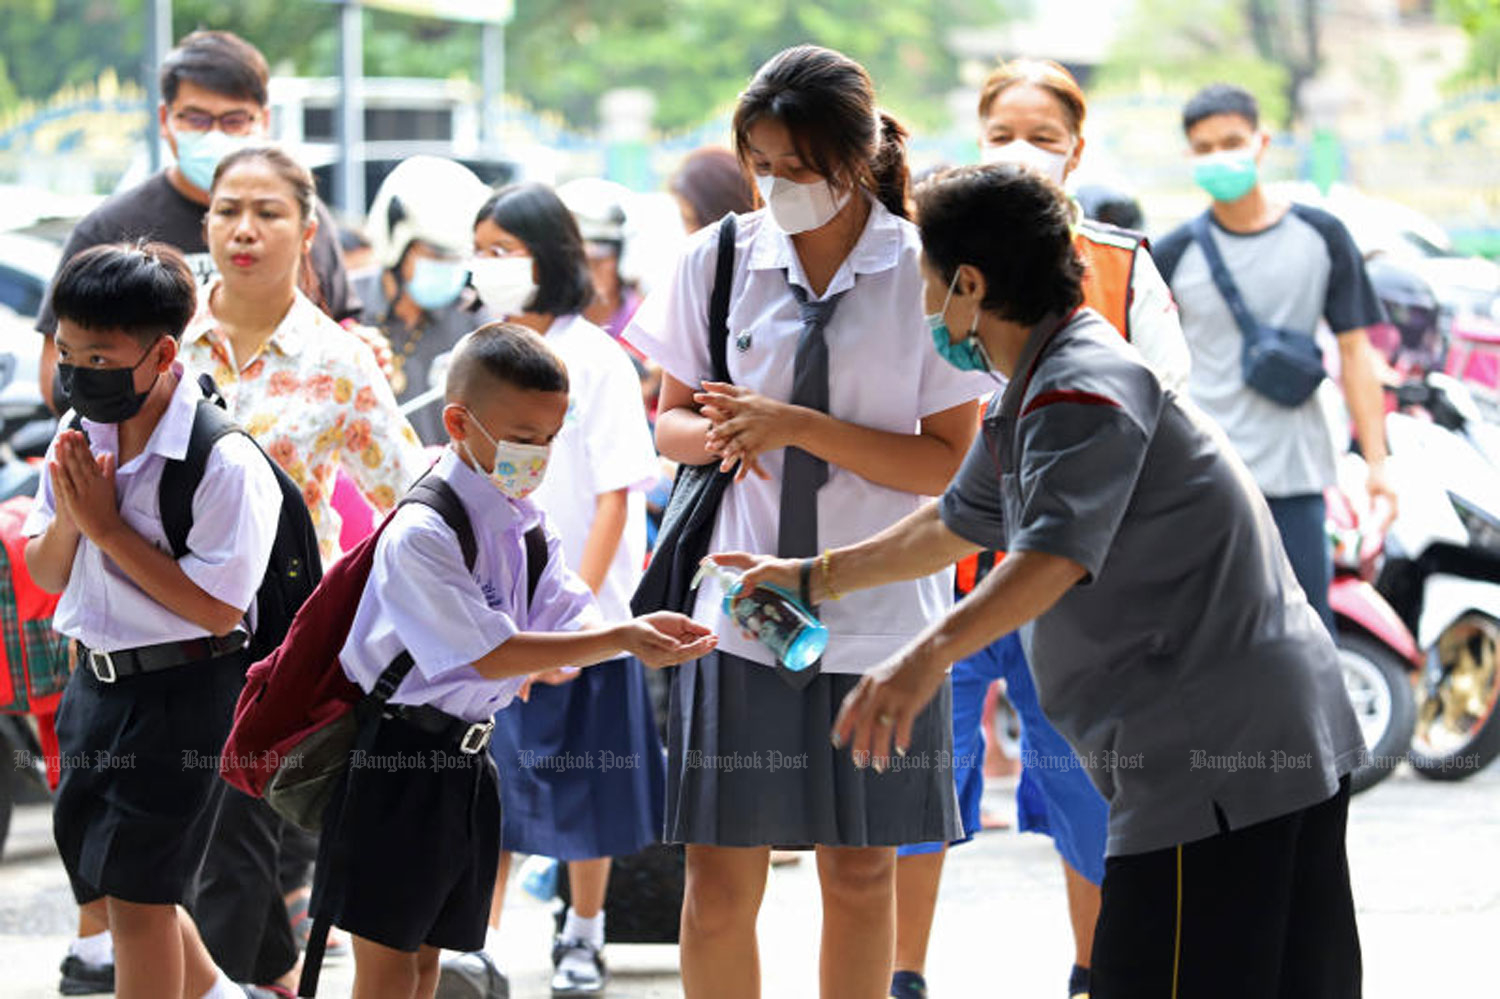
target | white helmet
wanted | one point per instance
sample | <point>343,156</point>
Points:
<point>599,207</point>
<point>425,198</point>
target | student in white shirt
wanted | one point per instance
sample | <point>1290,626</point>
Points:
<point>530,265</point>
<point>160,642</point>
<point>419,843</point>
<point>896,424</point>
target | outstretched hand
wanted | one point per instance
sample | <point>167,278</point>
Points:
<point>877,716</point>
<point>666,638</point>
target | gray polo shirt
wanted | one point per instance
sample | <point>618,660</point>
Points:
<point>1198,687</point>
<point>1302,269</point>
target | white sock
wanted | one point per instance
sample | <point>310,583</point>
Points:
<point>585,930</point>
<point>492,945</point>
<point>223,988</point>
<point>96,949</point>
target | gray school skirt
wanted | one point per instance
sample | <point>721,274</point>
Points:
<point>749,763</point>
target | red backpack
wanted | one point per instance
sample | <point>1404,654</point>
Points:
<point>296,722</point>
<point>33,658</point>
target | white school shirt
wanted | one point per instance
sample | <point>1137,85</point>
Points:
<point>421,598</point>
<point>884,373</point>
<point>235,512</point>
<point>604,445</point>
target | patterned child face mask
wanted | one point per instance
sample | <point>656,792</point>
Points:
<point>518,468</point>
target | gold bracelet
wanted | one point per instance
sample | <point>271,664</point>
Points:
<point>827,563</point>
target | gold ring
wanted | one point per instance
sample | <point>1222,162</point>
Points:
<point>884,719</point>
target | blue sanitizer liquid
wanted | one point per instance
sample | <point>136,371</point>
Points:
<point>778,619</point>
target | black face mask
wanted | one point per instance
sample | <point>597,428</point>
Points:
<point>104,395</point>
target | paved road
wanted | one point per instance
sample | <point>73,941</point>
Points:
<point>1425,857</point>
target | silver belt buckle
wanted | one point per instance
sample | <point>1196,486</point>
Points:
<point>476,738</point>
<point>102,666</point>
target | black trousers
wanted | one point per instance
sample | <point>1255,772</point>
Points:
<point>239,907</point>
<point>1263,912</point>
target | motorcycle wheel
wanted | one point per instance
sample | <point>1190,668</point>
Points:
<point>1380,689</point>
<point>1458,702</point>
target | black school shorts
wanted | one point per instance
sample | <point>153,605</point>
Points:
<point>140,782</point>
<point>411,843</point>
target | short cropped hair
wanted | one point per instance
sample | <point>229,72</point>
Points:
<point>1220,98</point>
<point>534,214</point>
<point>1012,224</point>
<point>142,289</point>
<point>217,61</point>
<point>505,352</point>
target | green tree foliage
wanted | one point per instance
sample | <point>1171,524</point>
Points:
<point>560,54</point>
<point>1480,20</point>
<point>1186,44</point>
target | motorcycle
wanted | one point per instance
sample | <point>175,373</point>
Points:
<point>1442,569</point>
<point>1379,656</point>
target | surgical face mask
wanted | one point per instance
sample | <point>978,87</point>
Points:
<point>199,154</point>
<point>967,354</point>
<point>504,283</point>
<point>1226,176</point>
<point>800,207</point>
<point>105,395</point>
<point>518,468</point>
<point>436,284</point>
<point>1051,165</point>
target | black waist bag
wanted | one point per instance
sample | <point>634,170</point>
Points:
<point>687,525</point>
<point>1283,365</point>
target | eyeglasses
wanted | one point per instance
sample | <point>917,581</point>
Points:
<point>230,122</point>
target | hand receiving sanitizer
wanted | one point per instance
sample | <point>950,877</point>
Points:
<point>779,620</point>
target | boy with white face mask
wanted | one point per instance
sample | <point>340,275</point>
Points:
<point>475,638</point>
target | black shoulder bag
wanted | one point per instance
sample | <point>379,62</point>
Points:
<point>1283,365</point>
<point>687,524</point>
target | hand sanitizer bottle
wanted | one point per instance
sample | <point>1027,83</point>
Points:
<point>779,620</point>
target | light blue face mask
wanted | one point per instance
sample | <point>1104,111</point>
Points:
<point>967,354</point>
<point>199,154</point>
<point>1226,176</point>
<point>436,284</point>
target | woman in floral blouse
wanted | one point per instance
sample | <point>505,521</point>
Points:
<point>308,390</point>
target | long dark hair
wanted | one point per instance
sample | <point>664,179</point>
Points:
<point>304,192</point>
<point>534,214</point>
<point>827,103</point>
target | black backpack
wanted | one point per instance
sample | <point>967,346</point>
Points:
<point>295,566</point>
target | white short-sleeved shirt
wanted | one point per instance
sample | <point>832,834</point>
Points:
<point>423,599</point>
<point>605,445</point>
<point>235,512</point>
<point>884,373</point>
<point>1154,327</point>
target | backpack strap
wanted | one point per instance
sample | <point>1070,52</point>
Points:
<point>536,561</point>
<point>434,493</point>
<point>718,304</point>
<point>180,479</point>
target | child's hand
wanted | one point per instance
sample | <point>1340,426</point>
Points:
<point>85,486</point>
<point>666,639</point>
<point>556,677</point>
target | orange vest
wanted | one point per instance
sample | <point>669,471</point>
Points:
<point>1108,254</point>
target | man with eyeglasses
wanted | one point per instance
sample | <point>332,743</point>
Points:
<point>214,99</point>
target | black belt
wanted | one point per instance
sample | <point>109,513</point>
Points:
<point>472,737</point>
<point>108,667</point>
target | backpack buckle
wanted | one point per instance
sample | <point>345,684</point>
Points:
<point>477,738</point>
<point>102,665</point>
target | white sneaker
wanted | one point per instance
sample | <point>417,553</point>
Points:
<point>580,971</point>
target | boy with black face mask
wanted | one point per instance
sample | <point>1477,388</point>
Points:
<point>160,642</point>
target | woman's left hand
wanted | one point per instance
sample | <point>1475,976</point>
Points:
<point>745,425</point>
<point>877,716</point>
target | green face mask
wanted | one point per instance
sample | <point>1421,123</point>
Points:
<point>1226,176</point>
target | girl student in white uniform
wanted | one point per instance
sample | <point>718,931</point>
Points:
<point>749,758</point>
<point>531,267</point>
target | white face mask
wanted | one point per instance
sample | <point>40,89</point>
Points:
<point>504,283</point>
<point>800,207</point>
<point>518,468</point>
<point>1051,165</point>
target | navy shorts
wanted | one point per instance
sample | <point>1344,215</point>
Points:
<point>411,843</point>
<point>1055,795</point>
